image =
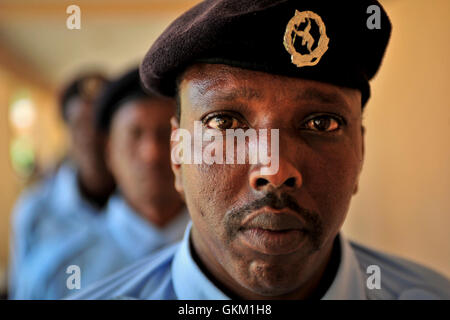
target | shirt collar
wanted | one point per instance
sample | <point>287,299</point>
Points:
<point>136,233</point>
<point>348,284</point>
<point>190,283</point>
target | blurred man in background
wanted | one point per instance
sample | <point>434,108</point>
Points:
<point>145,214</point>
<point>95,182</point>
<point>51,219</point>
<point>138,131</point>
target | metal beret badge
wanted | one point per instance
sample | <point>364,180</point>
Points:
<point>293,33</point>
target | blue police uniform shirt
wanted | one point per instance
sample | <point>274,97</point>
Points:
<point>173,274</point>
<point>98,249</point>
<point>48,222</point>
<point>135,236</point>
<point>125,238</point>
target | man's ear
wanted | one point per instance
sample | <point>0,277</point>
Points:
<point>176,168</point>
<point>363,131</point>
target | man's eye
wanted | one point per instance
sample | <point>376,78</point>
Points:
<point>135,133</point>
<point>222,122</point>
<point>323,124</point>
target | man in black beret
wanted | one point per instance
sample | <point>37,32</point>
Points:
<point>300,70</point>
<point>87,142</point>
<point>146,212</point>
<point>52,216</point>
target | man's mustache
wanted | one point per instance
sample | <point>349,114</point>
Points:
<point>235,217</point>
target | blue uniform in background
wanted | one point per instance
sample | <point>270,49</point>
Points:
<point>48,222</point>
<point>52,238</point>
<point>172,273</point>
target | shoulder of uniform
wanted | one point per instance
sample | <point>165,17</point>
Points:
<point>29,206</point>
<point>141,280</point>
<point>35,203</point>
<point>402,278</point>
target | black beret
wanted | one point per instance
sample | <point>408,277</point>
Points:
<point>119,91</point>
<point>86,86</point>
<point>329,41</point>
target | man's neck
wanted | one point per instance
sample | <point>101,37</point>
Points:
<point>158,214</point>
<point>95,190</point>
<point>330,272</point>
<point>314,288</point>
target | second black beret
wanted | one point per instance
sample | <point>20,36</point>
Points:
<point>126,87</point>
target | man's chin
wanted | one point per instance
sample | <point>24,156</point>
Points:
<point>271,280</point>
<point>273,243</point>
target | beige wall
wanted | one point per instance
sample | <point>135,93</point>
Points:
<point>403,205</point>
<point>48,137</point>
<point>9,185</point>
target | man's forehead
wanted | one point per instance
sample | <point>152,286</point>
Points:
<point>139,111</point>
<point>77,105</point>
<point>222,83</point>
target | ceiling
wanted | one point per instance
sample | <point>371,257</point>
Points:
<point>114,35</point>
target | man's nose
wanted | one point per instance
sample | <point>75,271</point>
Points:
<point>150,150</point>
<point>287,176</point>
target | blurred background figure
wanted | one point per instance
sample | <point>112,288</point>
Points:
<point>51,218</point>
<point>138,131</point>
<point>144,214</point>
<point>95,182</point>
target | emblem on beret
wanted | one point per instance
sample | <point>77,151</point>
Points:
<point>312,56</point>
<point>90,88</point>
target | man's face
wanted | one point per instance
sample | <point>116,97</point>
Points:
<point>269,234</point>
<point>139,151</point>
<point>87,144</point>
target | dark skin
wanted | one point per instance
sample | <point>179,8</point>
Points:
<point>87,151</point>
<point>284,252</point>
<point>139,156</point>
